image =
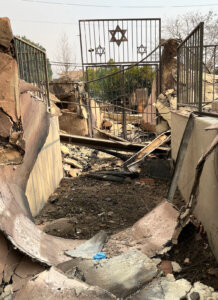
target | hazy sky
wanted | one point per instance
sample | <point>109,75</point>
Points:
<point>45,22</point>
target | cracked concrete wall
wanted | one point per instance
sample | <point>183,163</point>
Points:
<point>47,171</point>
<point>207,207</point>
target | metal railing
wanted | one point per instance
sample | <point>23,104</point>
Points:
<point>210,74</point>
<point>32,67</point>
<point>121,41</point>
<point>190,69</point>
<point>124,96</point>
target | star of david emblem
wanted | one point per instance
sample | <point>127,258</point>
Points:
<point>115,35</point>
<point>100,50</point>
<point>142,49</point>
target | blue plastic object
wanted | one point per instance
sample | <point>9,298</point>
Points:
<point>100,255</point>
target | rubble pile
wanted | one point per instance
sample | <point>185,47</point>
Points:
<point>64,89</point>
<point>165,103</point>
<point>78,160</point>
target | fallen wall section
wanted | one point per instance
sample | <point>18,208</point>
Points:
<point>207,204</point>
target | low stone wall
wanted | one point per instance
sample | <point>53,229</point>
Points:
<point>207,206</point>
<point>47,171</point>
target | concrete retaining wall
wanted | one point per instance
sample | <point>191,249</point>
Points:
<point>47,171</point>
<point>207,207</point>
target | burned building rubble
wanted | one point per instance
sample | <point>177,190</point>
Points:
<point>103,194</point>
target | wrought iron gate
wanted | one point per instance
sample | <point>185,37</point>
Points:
<point>121,61</point>
<point>32,67</point>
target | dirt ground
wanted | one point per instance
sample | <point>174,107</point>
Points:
<point>83,206</point>
<point>91,205</point>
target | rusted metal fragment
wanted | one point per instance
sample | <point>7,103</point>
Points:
<point>53,284</point>
<point>133,161</point>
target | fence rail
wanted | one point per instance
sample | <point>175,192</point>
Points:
<point>190,69</point>
<point>122,41</point>
<point>210,74</point>
<point>32,67</point>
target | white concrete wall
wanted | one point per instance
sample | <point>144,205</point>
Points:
<point>47,171</point>
<point>207,206</point>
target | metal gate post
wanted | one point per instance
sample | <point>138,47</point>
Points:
<point>201,65</point>
<point>123,101</point>
<point>88,104</point>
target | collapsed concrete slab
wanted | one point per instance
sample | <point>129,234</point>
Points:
<point>166,288</point>
<point>149,234</point>
<point>120,275</point>
<point>15,215</point>
<point>53,284</point>
<point>89,248</point>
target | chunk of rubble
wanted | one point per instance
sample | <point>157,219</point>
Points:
<point>204,291</point>
<point>6,34</point>
<point>65,150</point>
<point>90,247</point>
<point>165,103</point>
<point>166,288</point>
<point>53,284</point>
<point>120,275</point>
<point>176,267</point>
<point>7,294</point>
<point>73,163</point>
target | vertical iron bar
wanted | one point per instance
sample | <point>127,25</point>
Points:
<point>81,46</point>
<point>124,101</point>
<point>46,82</point>
<point>160,63</point>
<point>201,64</point>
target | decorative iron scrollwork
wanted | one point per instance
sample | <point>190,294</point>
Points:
<point>115,35</point>
<point>141,49</point>
<point>100,50</point>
